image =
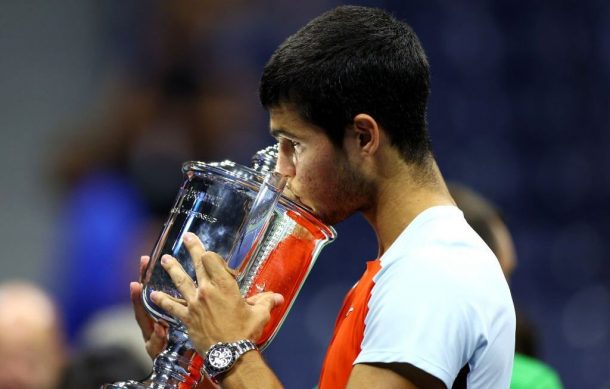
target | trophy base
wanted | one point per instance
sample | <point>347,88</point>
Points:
<point>150,384</point>
<point>127,384</point>
<point>177,367</point>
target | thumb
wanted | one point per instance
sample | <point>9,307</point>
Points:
<point>142,317</point>
<point>266,300</point>
<point>157,340</point>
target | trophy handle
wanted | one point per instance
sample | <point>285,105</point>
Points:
<point>257,221</point>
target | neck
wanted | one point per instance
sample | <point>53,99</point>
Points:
<point>400,197</point>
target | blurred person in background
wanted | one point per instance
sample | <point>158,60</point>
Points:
<point>121,176</point>
<point>347,97</point>
<point>108,348</point>
<point>92,367</point>
<point>485,218</point>
<point>33,351</point>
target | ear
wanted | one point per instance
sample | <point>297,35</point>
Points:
<point>367,133</point>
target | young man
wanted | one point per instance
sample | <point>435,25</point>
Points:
<point>347,99</point>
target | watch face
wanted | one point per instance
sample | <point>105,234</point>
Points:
<point>220,357</point>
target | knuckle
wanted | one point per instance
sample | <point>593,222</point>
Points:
<point>179,280</point>
<point>166,305</point>
<point>207,256</point>
<point>197,259</point>
<point>211,256</point>
<point>204,289</point>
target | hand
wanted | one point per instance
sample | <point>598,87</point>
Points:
<point>154,333</point>
<point>214,310</point>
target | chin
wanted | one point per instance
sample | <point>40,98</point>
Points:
<point>329,217</point>
<point>332,218</point>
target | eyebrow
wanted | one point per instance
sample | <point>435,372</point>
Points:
<point>277,132</point>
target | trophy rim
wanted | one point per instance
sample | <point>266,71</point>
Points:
<point>245,178</point>
<point>199,167</point>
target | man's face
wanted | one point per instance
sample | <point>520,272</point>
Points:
<point>321,176</point>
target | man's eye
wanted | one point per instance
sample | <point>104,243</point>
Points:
<point>295,145</point>
<point>290,147</point>
<point>286,146</point>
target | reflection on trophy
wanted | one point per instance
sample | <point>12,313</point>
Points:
<point>240,213</point>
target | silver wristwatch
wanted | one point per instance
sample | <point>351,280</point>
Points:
<point>222,356</point>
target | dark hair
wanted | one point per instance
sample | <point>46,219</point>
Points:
<point>353,60</point>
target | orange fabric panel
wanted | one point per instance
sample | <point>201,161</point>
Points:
<point>347,338</point>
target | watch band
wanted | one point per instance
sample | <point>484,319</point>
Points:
<point>243,346</point>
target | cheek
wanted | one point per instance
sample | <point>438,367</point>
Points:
<point>311,179</point>
<point>306,184</point>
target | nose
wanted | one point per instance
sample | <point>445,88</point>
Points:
<point>285,164</point>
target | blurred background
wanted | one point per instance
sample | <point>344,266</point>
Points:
<point>100,102</point>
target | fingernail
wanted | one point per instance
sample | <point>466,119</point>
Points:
<point>188,237</point>
<point>154,296</point>
<point>165,259</point>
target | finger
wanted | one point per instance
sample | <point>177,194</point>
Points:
<point>215,266</point>
<point>183,282</point>
<point>170,305</point>
<point>157,341</point>
<point>144,259</point>
<point>196,250</point>
<point>252,300</point>
<point>144,320</point>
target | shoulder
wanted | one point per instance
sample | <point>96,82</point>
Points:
<point>439,296</point>
<point>440,246</point>
<point>442,268</point>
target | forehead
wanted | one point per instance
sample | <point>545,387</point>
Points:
<point>285,121</point>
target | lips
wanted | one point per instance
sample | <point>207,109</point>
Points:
<point>289,193</point>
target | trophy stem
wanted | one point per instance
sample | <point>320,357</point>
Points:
<point>177,367</point>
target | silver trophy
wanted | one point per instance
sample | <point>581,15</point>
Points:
<point>240,213</point>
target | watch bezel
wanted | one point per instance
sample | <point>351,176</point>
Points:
<point>212,370</point>
<point>237,349</point>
